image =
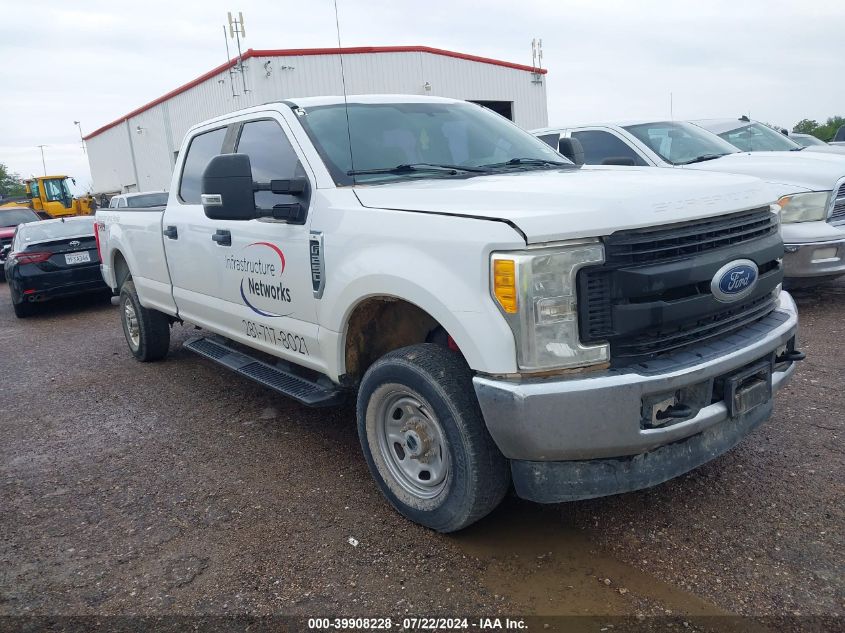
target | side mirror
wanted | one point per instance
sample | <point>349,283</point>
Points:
<point>227,192</point>
<point>572,149</point>
<point>626,161</point>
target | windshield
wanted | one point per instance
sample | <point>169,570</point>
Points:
<point>386,135</point>
<point>806,140</point>
<point>147,200</point>
<point>56,190</point>
<point>57,230</point>
<point>17,216</point>
<point>679,142</point>
<point>756,137</point>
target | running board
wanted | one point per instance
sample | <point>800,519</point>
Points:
<point>300,389</point>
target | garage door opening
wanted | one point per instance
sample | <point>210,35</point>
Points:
<point>505,108</point>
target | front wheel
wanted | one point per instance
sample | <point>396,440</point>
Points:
<point>147,331</point>
<point>425,440</point>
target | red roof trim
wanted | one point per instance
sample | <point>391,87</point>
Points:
<point>295,52</point>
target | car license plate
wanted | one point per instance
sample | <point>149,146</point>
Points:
<point>77,258</point>
<point>748,389</point>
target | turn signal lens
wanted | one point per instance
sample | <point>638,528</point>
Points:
<point>504,284</point>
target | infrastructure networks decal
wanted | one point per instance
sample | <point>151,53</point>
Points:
<point>261,265</point>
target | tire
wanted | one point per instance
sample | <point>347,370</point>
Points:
<point>23,309</point>
<point>147,331</point>
<point>425,440</point>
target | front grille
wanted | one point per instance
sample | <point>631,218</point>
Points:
<point>838,213</point>
<point>662,340</point>
<point>652,295</point>
<point>690,238</point>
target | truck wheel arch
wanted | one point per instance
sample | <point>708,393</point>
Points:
<point>120,268</point>
<point>380,324</point>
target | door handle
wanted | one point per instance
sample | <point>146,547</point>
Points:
<point>171,233</point>
<point>224,238</point>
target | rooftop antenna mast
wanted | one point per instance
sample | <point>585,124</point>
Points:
<point>228,59</point>
<point>43,163</point>
<point>236,32</point>
<point>345,101</point>
<point>537,59</point>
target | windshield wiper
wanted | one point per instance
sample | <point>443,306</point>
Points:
<point>415,167</point>
<point>701,159</point>
<point>528,161</point>
<point>797,149</point>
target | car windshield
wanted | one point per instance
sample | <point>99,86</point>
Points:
<point>680,143</point>
<point>50,230</point>
<point>17,216</point>
<point>807,140</point>
<point>756,137</point>
<point>431,140</point>
<point>147,200</point>
<point>56,189</point>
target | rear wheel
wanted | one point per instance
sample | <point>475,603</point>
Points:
<point>147,331</point>
<point>425,440</point>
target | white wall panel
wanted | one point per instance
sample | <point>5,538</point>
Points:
<point>164,125</point>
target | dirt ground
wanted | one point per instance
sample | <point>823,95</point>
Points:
<point>179,488</point>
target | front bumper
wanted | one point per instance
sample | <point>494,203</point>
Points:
<point>813,249</point>
<point>579,423</point>
<point>814,259</point>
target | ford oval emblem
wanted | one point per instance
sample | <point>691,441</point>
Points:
<point>734,280</point>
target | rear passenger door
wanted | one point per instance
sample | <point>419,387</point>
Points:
<point>187,233</point>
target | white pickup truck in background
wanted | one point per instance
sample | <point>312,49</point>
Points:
<point>499,313</point>
<point>809,186</point>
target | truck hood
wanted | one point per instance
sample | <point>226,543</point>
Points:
<point>788,172</point>
<point>552,205</point>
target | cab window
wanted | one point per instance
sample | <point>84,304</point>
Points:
<point>272,158</point>
<point>600,146</point>
<point>202,149</point>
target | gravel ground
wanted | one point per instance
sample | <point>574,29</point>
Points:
<point>178,488</point>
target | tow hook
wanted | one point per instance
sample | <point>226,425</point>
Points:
<point>790,356</point>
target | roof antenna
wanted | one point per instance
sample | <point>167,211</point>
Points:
<point>345,102</point>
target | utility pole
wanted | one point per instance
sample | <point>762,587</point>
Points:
<point>43,164</point>
<point>81,138</point>
<point>236,31</point>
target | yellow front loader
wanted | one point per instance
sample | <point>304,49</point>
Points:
<point>50,196</point>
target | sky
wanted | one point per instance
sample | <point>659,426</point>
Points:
<point>93,61</point>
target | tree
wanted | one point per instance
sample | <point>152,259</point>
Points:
<point>10,183</point>
<point>825,132</point>
<point>805,126</point>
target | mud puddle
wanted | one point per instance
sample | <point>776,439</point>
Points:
<point>549,568</point>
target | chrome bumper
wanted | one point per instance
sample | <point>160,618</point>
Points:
<point>814,259</point>
<point>600,415</point>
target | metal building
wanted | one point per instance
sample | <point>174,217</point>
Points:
<point>137,151</point>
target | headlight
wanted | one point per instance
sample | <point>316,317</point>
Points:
<point>804,207</point>
<point>536,292</point>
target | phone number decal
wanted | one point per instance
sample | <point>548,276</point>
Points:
<point>279,338</point>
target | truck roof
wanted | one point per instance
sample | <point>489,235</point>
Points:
<point>306,102</point>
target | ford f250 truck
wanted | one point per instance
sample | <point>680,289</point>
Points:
<point>499,313</point>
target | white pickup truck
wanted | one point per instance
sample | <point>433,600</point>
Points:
<point>499,313</point>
